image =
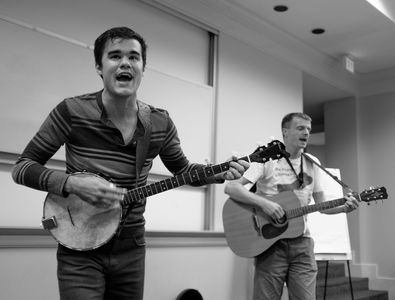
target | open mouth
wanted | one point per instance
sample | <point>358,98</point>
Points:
<point>124,77</point>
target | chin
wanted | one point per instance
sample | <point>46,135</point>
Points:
<point>124,92</point>
<point>303,145</point>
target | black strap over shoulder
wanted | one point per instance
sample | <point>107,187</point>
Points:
<point>299,176</point>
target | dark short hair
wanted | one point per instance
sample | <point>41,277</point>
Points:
<point>289,117</point>
<point>123,33</point>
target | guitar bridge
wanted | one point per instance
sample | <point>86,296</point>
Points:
<point>49,223</point>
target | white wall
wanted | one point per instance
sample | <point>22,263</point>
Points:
<point>341,151</point>
<point>376,168</point>
<point>359,139</point>
<point>84,20</point>
<point>254,92</point>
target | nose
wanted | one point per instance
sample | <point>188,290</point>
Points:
<point>306,132</point>
<point>125,62</point>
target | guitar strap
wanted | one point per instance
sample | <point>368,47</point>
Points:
<point>141,153</point>
<point>345,186</point>
<point>299,176</point>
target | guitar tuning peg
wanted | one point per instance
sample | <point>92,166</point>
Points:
<point>235,153</point>
<point>207,161</point>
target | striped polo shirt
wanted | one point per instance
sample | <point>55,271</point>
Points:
<point>94,144</point>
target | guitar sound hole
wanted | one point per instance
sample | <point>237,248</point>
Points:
<point>270,231</point>
<point>280,221</point>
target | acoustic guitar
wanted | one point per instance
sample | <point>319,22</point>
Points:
<point>78,225</point>
<point>249,231</point>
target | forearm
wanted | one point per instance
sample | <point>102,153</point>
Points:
<point>34,175</point>
<point>238,192</point>
<point>30,170</point>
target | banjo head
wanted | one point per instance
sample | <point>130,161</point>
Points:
<point>78,225</point>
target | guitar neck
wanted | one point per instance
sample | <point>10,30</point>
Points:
<point>304,210</point>
<point>138,194</point>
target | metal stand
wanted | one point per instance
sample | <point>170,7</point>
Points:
<point>349,279</point>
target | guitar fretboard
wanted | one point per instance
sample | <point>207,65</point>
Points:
<point>275,151</point>
<point>138,194</point>
<point>304,210</point>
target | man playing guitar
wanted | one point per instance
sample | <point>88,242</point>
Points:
<point>289,260</point>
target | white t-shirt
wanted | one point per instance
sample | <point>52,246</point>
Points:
<point>276,176</point>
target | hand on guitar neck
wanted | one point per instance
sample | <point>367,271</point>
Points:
<point>94,190</point>
<point>350,204</point>
<point>236,169</point>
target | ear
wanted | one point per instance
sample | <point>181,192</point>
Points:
<point>99,71</point>
<point>284,131</point>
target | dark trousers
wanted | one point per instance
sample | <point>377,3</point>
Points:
<point>112,271</point>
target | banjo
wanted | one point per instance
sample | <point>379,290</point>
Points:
<point>78,225</point>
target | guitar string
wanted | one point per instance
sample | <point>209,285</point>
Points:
<point>208,171</point>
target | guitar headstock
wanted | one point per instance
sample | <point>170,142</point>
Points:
<point>374,193</point>
<point>274,150</point>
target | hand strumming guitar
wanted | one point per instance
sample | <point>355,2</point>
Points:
<point>272,209</point>
<point>94,190</point>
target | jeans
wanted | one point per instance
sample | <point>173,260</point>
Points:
<point>112,271</point>
<point>289,261</point>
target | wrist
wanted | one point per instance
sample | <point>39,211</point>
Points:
<point>220,178</point>
<point>67,187</point>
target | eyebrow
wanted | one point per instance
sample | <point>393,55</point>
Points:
<point>303,126</point>
<point>119,51</point>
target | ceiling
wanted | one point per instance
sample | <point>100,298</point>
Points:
<point>352,27</point>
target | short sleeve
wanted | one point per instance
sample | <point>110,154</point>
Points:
<point>253,173</point>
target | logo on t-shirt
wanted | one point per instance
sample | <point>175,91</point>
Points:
<point>295,185</point>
